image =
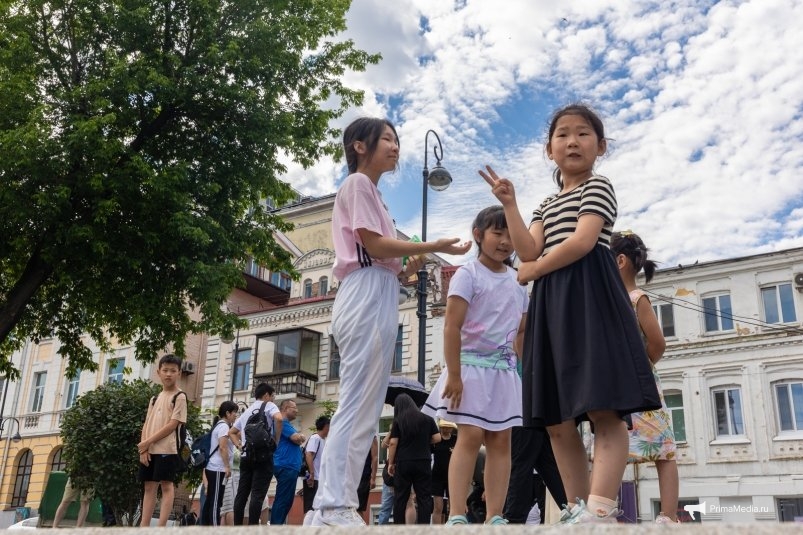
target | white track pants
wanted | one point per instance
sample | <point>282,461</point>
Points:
<point>365,322</point>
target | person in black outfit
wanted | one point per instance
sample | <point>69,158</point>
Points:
<point>441,454</point>
<point>531,448</point>
<point>409,457</point>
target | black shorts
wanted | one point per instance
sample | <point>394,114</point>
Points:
<point>163,467</point>
<point>440,487</point>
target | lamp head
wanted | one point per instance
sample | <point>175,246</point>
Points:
<point>16,437</point>
<point>227,338</point>
<point>439,178</point>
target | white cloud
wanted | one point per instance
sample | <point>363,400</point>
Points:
<point>704,104</point>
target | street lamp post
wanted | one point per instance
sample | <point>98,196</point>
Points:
<point>234,352</point>
<point>438,179</point>
<point>16,437</point>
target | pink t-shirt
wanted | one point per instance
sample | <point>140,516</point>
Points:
<point>359,205</point>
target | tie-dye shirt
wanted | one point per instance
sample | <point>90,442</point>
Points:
<point>496,302</point>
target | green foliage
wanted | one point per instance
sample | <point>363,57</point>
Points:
<point>137,138</point>
<point>329,407</point>
<point>100,434</point>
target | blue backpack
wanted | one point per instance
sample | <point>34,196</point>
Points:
<point>199,452</point>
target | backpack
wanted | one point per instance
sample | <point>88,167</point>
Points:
<point>200,453</point>
<point>259,441</point>
<point>183,437</point>
<point>304,470</point>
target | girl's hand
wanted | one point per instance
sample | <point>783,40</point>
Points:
<point>528,271</point>
<point>450,246</point>
<point>414,263</point>
<point>502,188</point>
<point>453,390</point>
<point>391,470</point>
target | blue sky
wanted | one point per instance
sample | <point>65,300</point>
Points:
<point>701,101</point>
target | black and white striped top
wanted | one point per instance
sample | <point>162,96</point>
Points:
<point>560,212</point>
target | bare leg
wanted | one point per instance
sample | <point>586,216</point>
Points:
<point>166,507</point>
<point>610,453</point>
<point>461,466</point>
<point>572,459</point>
<point>497,471</point>
<point>437,509</point>
<point>60,512</point>
<point>148,503</point>
<point>82,512</point>
<point>410,513</point>
<point>668,483</point>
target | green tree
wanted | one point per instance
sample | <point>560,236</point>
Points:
<point>100,434</point>
<point>137,139</point>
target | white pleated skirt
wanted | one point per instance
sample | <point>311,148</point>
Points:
<point>491,399</point>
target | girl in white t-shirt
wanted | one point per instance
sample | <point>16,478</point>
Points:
<point>480,390</point>
<point>365,314</point>
<point>218,468</point>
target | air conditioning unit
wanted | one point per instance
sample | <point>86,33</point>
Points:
<point>187,367</point>
<point>799,281</point>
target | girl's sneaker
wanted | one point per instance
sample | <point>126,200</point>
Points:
<point>584,516</point>
<point>663,519</point>
<point>339,516</point>
<point>457,520</point>
<point>567,514</point>
<point>496,520</point>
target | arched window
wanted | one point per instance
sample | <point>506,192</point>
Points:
<point>22,479</point>
<point>323,286</point>
<point>57,463</point>
<point>307,288</point>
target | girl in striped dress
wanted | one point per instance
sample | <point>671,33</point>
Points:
<point>583,358</point>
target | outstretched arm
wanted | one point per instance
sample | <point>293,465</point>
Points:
<point>379,246</point>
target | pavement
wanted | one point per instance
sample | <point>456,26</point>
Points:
<point>714,528</point>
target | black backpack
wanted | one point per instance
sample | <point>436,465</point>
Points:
<point>304,470</point>
<point>201,447</point>
<point>259,441</point>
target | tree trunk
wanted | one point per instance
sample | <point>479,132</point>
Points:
<point>36,273</point>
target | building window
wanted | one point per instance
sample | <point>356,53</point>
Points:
<point>334,360</point>
<point>39,380</point>
<point>242,369</point>
<point>674,403</point>
<point>789,401</point>
<point>289,351</point>
<point>666,318</point>
<point>307,288</point>
<point>114,370</point>
<point>728,412</point>
<point>22,479</point>
<point>323,286</point>
<point>58,464</point>
<point>398,353</point>
<point>281,279</point>
<point>718,313</point>
<point>779,304</point>
<point>72,390</point>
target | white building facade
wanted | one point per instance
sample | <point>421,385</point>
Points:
<point>732,376</point>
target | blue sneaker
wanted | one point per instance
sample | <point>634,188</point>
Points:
<point>496,520</point>
<point>457,520</point>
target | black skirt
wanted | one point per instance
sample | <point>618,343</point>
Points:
<point>583,349</point>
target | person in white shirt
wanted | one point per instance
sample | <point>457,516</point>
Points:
<point>218,468</point>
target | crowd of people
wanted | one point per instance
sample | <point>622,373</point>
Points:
<point>521,371</point>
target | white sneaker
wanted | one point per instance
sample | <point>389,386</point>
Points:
<point>339,516</point>
<point>534,516</point>
<point>308,517</point>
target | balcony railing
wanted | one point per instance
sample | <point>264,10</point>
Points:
<point>299,383</point>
